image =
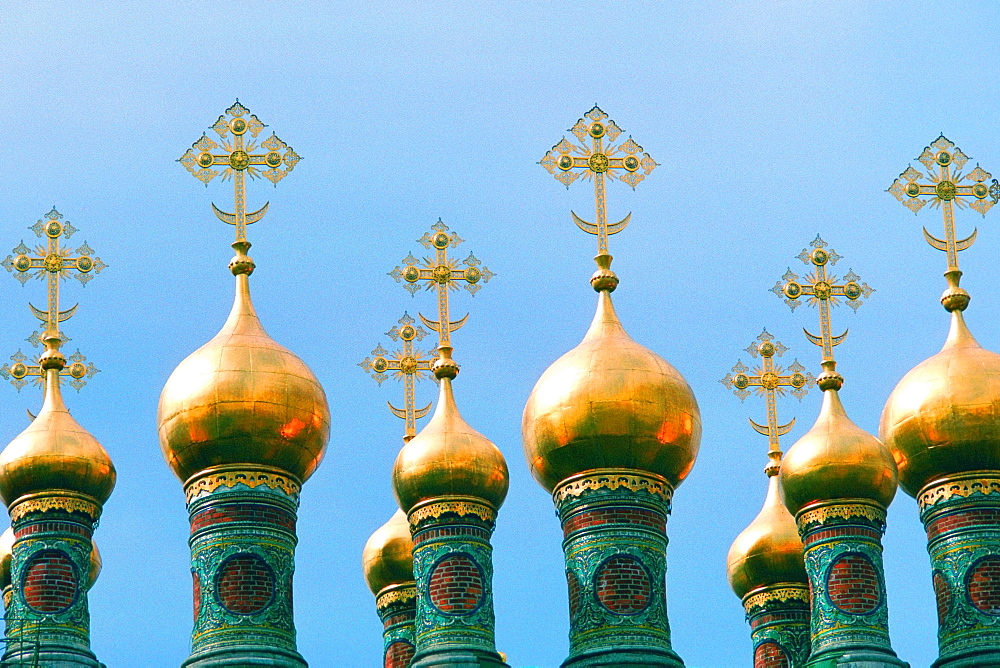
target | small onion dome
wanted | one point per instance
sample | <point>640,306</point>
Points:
<point>6,555</point>
<point>610,403</point>
<point>96,564</point>
<point>449,458</point>
<point>944,415</point>
<point>834,460</point>
<point>769,551</point>
<point>55,452</point>
<point>388,556</point>
<point>243,399</point>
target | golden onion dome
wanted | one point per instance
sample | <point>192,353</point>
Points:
<point>448,457</point>
<point>96,564</point>
<point>243,399</point>
<point>55,452</point>
<point>944,415</point>
<point>836,460</point>
<point>6,556</point>
<point>769,551</point>
<point>610,403</point>
<point>388,555</point>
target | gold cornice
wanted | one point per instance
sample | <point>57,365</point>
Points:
<point>790,591</point>
<point>69,502</point>
<point>207,481</point>
<point>962,485</point>
<point>397,593</point>
<point>635,481</point>
<point>818,514</point>
<point>459,505</point>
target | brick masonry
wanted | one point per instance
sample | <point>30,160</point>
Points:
<point>623,586</point>
<point>942,593</point>
<point>769,655</point>
<point>573,584</point>
<point>977,518</point>
<point>456,584</point>
<point>399,654</point>
<point>983,585</point>
<point>50,584</point>
<point>253,513</point>
<point>615,515</point>
<point>245,584</point>
<point>852,584</point>
<point>196,583</point>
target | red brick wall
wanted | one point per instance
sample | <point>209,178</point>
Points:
<point>984,585</point>
<point>853,584</point>
<point>623,585</point>
<point>245,584</point>
<point>769,655</point>
<point>837,532</point>
<point>45,527</point>
<point>256,513</point>
<point>50,583</point>
<point>979,518</point>
<point>598,516</point>
<point>573,584</point>
<point>196,582</point>
<point>942,592</point>
<point>456,584</point>
<point>399,654</point>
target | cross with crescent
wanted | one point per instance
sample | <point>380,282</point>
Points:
<point>21,367</point>
<point>409,364</point>
<point>946,190</point>
<point>442,273</point>
<point>769,380</point>
<point>823,291</point>
<point>626,162</point>
<point>240,156</point>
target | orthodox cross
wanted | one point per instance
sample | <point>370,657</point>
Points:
<point>823,291</point>
<point>241,156</point>
<point>595,162</point>
<point>409,365</point>
<point>53,263</point>
<point>769,380</point>
<point>442,273</point>
<point>946,190</point>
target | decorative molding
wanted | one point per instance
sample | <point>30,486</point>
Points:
<point>400,594</point>
<point>844,511</point>
<point>464,507</point>
<point>208,481</point>
<point>780,594</point>
<point>635,481</point>
<point>963,487</point>
<point>66,503</point>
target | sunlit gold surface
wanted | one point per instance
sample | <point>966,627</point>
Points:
<point>836,459</point>
<point>55,453</point>
<point>96,564</point>
<point>388,555</point>
<point>6,555</point>
<point>449,458</point>
<point>769,551</point>
<point>943,417</point>
<point>610,403</point>
<point>243,399</point>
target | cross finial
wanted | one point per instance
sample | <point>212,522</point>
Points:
<point>444,274</point>
<point>54,264</point>
<point>409,365</point>
<point>239,155</point>
<point>769,380</point>
<point>946,189</point>
<point>596,160</point>
<point>823,292</point>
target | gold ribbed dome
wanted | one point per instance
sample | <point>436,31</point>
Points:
<point>610,403</point>
<point>243,399</point>
<point>944,415</point>
<point>449,458</point>
<point>769,551</point>
<point>6,555</point>
<point>388,555</point>
<point>836,459</point>
<point>55,452</point>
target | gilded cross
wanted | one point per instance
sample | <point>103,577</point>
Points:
<point>596,160</point>
<point>443,273</point>
<point>53,263</point>
<point>769,380</point>
<point>823,291</point>
<point>946,190</point>
<point>409,364</point>
<point>21,367</point>
<point>239,155</point>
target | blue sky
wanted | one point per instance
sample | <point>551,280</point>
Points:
<point>771,121</point>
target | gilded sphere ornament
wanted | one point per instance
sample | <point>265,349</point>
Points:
<point>943,417</point>
<point>610,403</point>
<point>388,555</point>
<point>243,399</point>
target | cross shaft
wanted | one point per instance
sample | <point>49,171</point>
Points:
<point>240,156</point>
<point>823,291</point>
<point>598,161</point>
<point>945,189</point>
<point>769,380</point>
<point>443,274</point>
<point>409,364</point>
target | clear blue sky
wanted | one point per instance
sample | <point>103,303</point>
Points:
<point>772,122</point>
